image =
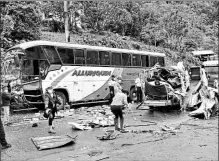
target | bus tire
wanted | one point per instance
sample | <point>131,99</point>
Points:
<point>133,95</point>
<point>62,98</point>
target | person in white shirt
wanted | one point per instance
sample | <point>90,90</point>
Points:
<point>215,83</point>
<point>138,85</point>
<point>111,87</point>
<point>203,76</point>
<point>182,70</point>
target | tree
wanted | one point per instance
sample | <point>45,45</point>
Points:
<point>20,21</point>
<point>66,13</point>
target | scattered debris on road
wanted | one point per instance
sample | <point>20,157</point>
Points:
<point>108,136</point>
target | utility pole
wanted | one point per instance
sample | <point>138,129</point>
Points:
<point>67,34</point>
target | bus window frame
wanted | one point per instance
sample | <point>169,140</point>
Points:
<point>84,50</point>
<point>132,60</point>
<point>162,65</point>
<point>150,60</point>
<point>147,62</point>
<point>130,57</point>
<point>97,57</point>
<point>109,58</point>
<point>112,61</point>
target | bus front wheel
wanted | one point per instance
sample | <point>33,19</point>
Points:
<point>62,99</point>
<point>133,96</point>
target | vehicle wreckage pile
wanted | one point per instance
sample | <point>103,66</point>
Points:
<point>204,99</point>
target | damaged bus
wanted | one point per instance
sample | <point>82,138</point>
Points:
<point>210,61</point>
<point>78,73</point>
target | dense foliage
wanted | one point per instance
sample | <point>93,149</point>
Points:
<point>178,26</point>
<point>20,21</point>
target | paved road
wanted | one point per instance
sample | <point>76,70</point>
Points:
<point>195,140</point>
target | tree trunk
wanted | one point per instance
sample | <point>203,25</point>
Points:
<point>67,35</point>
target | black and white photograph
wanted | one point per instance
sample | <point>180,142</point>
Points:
<point>109,80</point>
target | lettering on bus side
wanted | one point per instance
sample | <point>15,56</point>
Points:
<point>91,73</point>
<point>132,74</point>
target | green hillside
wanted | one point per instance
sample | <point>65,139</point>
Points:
<point>113,40</point>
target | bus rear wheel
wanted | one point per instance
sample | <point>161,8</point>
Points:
<point>62,99</point>
<point>133,94</point>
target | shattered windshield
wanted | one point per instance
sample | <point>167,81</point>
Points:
<point>11,65</point>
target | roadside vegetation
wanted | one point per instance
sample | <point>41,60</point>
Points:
<point>173,28</point>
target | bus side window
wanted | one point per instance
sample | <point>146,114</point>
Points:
<point>92,57</point>
<point>126,59</point>
<point>66,55</point>
<point>136,60</point>
<point>145,60</point>
<point>79,56</point>
<point>153,60</point>
<point>161,61</point>
<point>116,59</point>
<point>104,57</point>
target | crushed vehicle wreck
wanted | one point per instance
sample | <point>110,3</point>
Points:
<point>161,95</point>
<point>163,88</point>
<point>204,101</point>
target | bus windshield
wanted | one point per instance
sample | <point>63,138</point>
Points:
<point>35,64</point>
<point>31,65</point>
<point>10,66</point>
<point>51,55</point>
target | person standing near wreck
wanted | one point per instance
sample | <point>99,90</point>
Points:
<point>203,76</point>
<point>187,78</point>
<point>118,85</point>
<point>118,103</point>
<point>138,85</point>
<point>111,84</point>
<point>51,101</point>
<point>3,142</point>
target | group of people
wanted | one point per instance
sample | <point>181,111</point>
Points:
<point>51,102</point>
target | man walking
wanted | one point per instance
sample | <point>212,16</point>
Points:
<point>111,87</point>
<point>51,101</point>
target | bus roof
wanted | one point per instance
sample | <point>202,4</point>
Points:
<point>69,45</point>
<point>210,63</point>
<point>204,52</point>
